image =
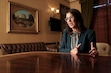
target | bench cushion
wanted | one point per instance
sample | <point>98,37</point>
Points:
<point>22,47</point>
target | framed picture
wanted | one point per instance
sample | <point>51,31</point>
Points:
<point>22,19</point>
<point>63,11</point>
<point>71,1</point>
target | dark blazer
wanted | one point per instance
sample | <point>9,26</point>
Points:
<point>86,37</point>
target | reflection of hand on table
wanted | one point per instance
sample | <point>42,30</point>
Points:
<point>75,62</point>
<point>76,58</point>
<point>92,60</point>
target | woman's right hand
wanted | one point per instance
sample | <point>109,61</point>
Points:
<point>75,50</point>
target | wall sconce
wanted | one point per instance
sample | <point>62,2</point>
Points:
<point>54,11</point>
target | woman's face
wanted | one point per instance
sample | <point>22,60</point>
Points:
<point>70,20</point>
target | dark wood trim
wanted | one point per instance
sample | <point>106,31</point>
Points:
<point>51,43</point>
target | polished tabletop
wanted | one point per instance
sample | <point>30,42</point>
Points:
<point>54,62</point>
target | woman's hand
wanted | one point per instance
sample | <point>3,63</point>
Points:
<point>75,50</point>
<point>93,52</point>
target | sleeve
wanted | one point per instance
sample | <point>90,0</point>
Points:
<point>92,38</point>
<point>63,45</point>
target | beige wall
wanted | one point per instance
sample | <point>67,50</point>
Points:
<point>75,5</point>
<point>44,35</point>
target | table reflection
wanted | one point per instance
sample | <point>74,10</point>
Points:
<point>55,63</point>
<point>77,64</point>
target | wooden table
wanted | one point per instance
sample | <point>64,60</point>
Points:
<point>52,62</point>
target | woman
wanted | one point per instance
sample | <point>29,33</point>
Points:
<point>76,37</point>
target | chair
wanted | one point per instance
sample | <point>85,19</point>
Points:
<point>103,49</point>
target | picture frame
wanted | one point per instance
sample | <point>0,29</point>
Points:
<point>71,1</point>
<point>22,19</point>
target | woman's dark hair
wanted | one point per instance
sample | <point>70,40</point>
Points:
<point>78,19</point>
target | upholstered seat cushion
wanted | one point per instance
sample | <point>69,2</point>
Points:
<point>104,49</point>
<point>22,47</point>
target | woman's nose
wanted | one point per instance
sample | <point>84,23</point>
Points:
<point>69,20</point>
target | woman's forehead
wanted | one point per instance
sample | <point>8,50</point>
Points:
<point>69,14</point>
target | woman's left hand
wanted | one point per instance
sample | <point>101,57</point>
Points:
<point>93,52</point>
